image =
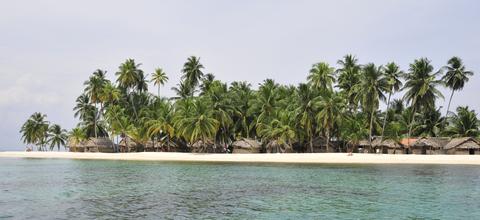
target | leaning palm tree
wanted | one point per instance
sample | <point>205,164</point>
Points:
<point>280,132</point>
<point>455,77</point>
<point>331,108</point>
<point>241,95</point>
<point>57,137</point>
<point>370,91</point>
<point>321,77</point>
<point>192,71</point>
<point>159,78</point>
<point>393,76</point>
<point>421,91</point>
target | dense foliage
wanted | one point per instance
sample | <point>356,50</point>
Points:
<point>340,105</point>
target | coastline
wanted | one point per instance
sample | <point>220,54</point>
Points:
<point>304,158</point>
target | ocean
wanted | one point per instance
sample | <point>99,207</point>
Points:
<point>97,189</point>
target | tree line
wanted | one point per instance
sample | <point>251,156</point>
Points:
<point>335,104</point>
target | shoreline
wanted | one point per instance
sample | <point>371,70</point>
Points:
<point>292,158</point>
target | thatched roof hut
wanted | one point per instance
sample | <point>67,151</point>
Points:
<point>207,147</point>
<point>431,142</point>
<point>246,145</point>
<point>101,144</point>
<point>463,144</point>
<point>127,144</point>
<point>277,147</point>
<point>388,143</point>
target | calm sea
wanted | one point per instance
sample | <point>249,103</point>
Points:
<point>82,189</point>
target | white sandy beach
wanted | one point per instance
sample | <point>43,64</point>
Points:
<point>318,158</point>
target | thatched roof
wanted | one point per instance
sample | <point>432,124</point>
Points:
<point>127,140</point>
<point>246,143</point>
<point>276,147</point>
<point>363,143</point>
<point>386,143</point>
<point>431,142</point>
<point>463,143</point>
<point>98,142</point>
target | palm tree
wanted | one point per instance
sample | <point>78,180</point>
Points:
<point>57,136</point>
<point>455,77</point>
<point>131,77</point>
<point>349,74</point>
<point>370,91</point>
<point>192,70</point>
<point>306,111</point>
<point>94,89</point>
<point>331,108</point>
<point>76,136</point>
<point>393,76</point>
<point>421,91</point>
<point>464,123</point>
<point>159,78</point>
<point>321,77</point>
<point>195,121</point>
<point>83,107</point>
<point>34,130</point>
<point>280,131</point>
<point>265,103</point>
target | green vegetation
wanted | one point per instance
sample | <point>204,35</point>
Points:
<point>334,105</point>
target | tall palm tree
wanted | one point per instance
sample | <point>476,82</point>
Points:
<point>421,91</point>
<point>464,123</point>
<point>455,77</point>
<point>370,91</point>
<point>265,103</point>
<point>94,89</point>
<point>57,137</point>
<point>393,76</point>
<point>321,77</point>
<point>159,78</point>
<point>349,74</point>
<point>130,77</point>
<point>331,108</point>
<point>83,107</point>
<point>34,130</point>
<point>192,70</point>
<point>306,111</point>
<point>241,96</point>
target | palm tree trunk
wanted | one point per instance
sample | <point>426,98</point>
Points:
<point>159,91</point>
<point>311,144</point>
<point>327,134</point>
<point>371,128</point>
<point>448,107</point>
<point>385,119</point>
<point>95,121</point>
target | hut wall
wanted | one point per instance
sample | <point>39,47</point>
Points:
<point>397,151</point>
<point>456,151</point>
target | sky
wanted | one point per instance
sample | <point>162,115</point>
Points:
<point>49,48</point>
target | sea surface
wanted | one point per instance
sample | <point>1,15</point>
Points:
<point>95,189</point>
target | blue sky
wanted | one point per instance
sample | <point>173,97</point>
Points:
<point>49,48</point>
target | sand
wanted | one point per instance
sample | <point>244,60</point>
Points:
<point>317,158</point>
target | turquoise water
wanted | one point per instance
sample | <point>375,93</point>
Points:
<point>81,189</point>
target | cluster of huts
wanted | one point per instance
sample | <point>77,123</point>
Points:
<point>424,145</point>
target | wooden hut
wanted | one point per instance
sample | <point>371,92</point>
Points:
<point>364,146</point>
<point>429,145</point>
<point>277,147</point>
<point>101,144</point>
<point>129,145</point>
<point>246,146</point>
<point>388,146</point>
<point>464,145</point>
<point>208,147</point>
